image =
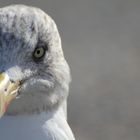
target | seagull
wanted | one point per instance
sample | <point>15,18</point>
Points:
<point>34,77</point>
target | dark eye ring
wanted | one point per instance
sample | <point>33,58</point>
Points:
<point>39,53</point>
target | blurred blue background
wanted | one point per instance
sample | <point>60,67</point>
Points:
<point>101,41</point>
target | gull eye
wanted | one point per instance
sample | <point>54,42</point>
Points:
<point>39,53</point>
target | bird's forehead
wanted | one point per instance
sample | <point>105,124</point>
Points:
<point>16,27</point>
<point>21,18</point>
<point>23,24</point>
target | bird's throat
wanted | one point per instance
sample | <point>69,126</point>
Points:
<point>36,127</point>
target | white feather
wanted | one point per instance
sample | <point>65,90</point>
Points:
<point>45,126</point>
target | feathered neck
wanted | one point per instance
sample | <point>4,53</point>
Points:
<point>46,125</point>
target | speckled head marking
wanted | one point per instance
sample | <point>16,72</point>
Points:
<point>44,83</point>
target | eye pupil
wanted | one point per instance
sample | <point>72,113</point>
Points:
<point>38,52</point>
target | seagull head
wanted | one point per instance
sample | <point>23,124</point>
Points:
<point>34,75</point>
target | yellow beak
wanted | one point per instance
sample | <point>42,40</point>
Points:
<point>8,91</point>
